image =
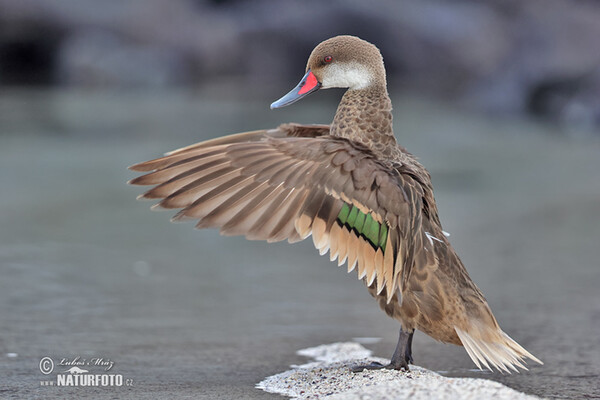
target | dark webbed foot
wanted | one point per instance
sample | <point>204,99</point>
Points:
<point>401,358</point>
<point>375,366</point>
<point>400,366</point>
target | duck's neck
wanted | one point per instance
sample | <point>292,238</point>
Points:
<point>365,116</point>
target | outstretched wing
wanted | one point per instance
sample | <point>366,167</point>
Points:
<point>289,183</point>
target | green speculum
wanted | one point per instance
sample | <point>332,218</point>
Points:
<point>363,225</point>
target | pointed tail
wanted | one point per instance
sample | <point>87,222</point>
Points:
<point>495,349</point>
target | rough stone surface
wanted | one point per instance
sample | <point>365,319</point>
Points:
<point>329,377</point>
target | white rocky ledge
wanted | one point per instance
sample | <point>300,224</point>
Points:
<point>329,377</point>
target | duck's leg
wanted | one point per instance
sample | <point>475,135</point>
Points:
<point>400,359</point>
<point>403,354</point>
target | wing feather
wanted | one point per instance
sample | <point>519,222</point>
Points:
<point>230,206</point>
<point>362,265</point>
<point>285,228</point>
<point>290,183</point>
<point>266,221</point>
<point>369,259</point>
<point>352,251</point>
<point>342,247</point>
<point>380,272</point>
<point>180,171</point>
<point>210,200</point>
<point>388,267</point>
<point>255,211</point>
<point>334,241</point>
<point>190,193</point>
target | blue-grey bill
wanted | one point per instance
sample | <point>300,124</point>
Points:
<point>307,85</point>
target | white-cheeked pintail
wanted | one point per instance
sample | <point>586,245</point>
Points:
<point>360,195</point>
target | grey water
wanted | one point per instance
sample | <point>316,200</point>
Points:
<point>87,271</point>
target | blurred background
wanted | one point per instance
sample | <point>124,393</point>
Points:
<point>499,99</point>
<point>536,57</point>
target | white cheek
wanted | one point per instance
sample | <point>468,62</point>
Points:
<point>353,76</point>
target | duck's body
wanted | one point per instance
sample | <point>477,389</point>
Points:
<point>363,198</point>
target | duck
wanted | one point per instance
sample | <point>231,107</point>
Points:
<point>362,197</point>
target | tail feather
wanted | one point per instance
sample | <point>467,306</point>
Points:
<point>501,352</point>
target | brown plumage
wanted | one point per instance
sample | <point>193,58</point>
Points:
<point>361,196</point>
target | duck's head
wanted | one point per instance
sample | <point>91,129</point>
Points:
<point>339,62</point>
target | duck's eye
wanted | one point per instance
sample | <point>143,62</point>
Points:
<point>328,59</point>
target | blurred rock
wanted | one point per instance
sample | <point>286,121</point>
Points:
<point>97,59</point>
<point>539,56</point>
